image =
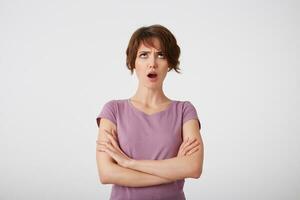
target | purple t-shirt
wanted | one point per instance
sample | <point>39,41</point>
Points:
<point>149,137</point>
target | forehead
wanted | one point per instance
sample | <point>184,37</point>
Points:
<point>149,43</point>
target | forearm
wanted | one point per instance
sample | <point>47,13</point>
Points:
<point>131,178</point>
<point>174,168</point>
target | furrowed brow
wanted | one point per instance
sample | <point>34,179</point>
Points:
<point>150,51</point>
<point>144,51</point>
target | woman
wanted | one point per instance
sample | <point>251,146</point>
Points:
<point>148,144</point>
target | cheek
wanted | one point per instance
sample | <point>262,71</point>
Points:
<point>139,67</point>
<point>163,63</point>
<point>138,71</point>
<point>138,64</point>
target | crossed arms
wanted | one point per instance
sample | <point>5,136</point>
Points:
<point>115,167</point>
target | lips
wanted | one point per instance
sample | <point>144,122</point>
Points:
<point>152,75</point>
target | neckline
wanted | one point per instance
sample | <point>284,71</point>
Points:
<point>149,115</point>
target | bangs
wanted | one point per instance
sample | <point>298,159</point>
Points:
<point>164,41</point>
<point>149,42</point>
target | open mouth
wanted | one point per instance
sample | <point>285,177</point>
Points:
<point>152,75</point>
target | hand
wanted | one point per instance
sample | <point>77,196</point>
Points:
<point>188,147</point>
<point>111,147</point>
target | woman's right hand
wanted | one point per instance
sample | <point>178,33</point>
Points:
<point>188,147</point>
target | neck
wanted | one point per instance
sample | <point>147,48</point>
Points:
<point>150,96</point>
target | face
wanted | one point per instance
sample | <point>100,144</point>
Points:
<point>151,65</point>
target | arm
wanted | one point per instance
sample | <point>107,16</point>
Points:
<point>111,173</point>
<point>178,167</point>
<point>131,178</point>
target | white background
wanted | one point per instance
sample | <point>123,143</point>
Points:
<point>60,61</point>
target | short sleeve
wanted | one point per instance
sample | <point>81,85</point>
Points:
<point>189,112</point>
<point>108,111</point>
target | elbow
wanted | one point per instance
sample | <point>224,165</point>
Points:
<point>103,180</point>
<point>197,173</point>
<point>107,174</point>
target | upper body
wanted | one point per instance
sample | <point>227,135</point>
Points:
<point>145,136</point>
<point>149,125</point>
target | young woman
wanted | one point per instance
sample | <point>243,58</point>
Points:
<point>148,144</point>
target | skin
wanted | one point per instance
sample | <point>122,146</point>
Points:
<point>149,95</point>
<point>111,146</point>
<point>150,98</point>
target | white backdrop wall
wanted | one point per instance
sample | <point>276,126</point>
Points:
<point>60,61</point>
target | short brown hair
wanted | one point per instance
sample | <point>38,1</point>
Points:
<point>167,41</point>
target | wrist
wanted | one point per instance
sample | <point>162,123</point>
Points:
<point>130,163</point>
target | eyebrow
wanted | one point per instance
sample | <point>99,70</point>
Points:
<point>143,51</point>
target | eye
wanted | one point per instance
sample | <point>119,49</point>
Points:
<point>143,55</point>
<point>161,55</point>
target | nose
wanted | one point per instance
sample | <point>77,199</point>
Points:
<point>152,61</point>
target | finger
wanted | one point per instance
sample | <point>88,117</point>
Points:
<point>193,150</point>
<point>101,147</point>
<point>116,149</point>
<point>182,146</point>
<point>112,140</point>
<point>106,144</point>
<point>99,141</point>
<point>104,147</point>
<point>196,148</point>
<point>192,140</point>
<point>109,146</point>
<point>114,144</point>
<point>109,151</point>
<point>189,143</point>
<point>106,132</point>
<point>183,143</point>
<point>186,142</point>
<point>101,150</point>
<point>191,146</point>
<point>112,133</point>
<point>115,135</point>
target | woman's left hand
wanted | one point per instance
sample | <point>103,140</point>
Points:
<point>112,148</point>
